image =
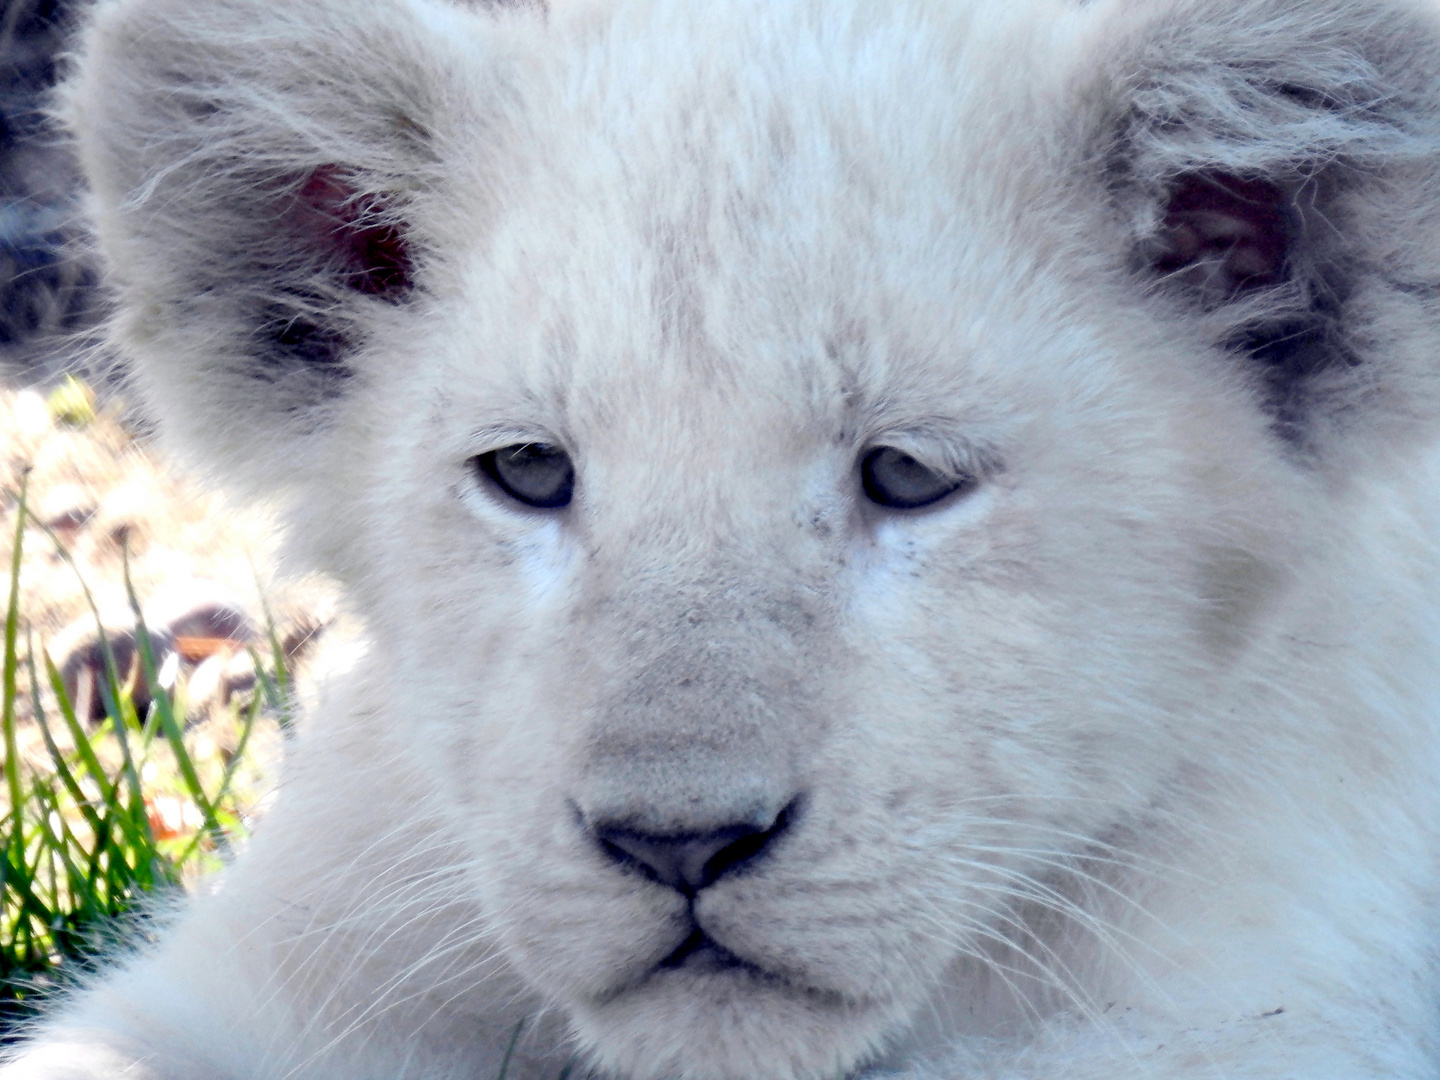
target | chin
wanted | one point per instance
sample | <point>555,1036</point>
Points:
<point>713,1018</point>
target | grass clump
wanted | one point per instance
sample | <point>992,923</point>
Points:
<point>109,813</point>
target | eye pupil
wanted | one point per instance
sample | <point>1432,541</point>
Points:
<point>893,479</point>
<point>536,474</point>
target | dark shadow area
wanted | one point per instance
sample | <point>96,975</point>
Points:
<point>47,280</point>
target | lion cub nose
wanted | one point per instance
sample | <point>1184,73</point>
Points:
<point>688,862</point>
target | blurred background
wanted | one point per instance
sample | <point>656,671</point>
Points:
<point>89,510</point>
<point>47,283</point>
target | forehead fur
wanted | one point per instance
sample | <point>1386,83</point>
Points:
<point>885,265</point>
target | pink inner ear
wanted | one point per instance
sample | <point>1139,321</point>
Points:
<point>334,218</point>
<point>1223,234</point>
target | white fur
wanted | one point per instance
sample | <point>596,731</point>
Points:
<point>1122,766</point>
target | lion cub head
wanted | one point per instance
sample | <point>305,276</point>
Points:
<point>828,475</point>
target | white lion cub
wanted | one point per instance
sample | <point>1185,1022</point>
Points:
<point>898,537</point>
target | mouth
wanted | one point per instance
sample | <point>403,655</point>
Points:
<point>699,956</point>
<point>701,953</point>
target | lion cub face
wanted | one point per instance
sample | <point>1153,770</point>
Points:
<point>817,495</point>
<point>774,580</point>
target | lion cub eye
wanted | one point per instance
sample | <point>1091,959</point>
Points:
<point>893,479</point>
<point>535,474</point>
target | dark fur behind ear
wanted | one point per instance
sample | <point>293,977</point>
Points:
<point>1277,162</point>
<point>260,173</point>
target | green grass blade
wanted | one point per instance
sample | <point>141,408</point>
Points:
<point>164,707</point>
<point>123,721</point>
<point>277,656</point>
<point>8,680</point>
<point>83,746</point>
<point>58,845</point>
<point>252,716</point>
<point>19,880</point>
<point>57,757</point>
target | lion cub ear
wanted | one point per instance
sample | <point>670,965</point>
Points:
<point>267,183</point>
<point>1277,164</point>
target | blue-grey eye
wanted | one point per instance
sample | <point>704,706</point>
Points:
<point>536,474</point>
<point>893,479</point>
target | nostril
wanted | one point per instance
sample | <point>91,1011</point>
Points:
<point>688,862</point>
